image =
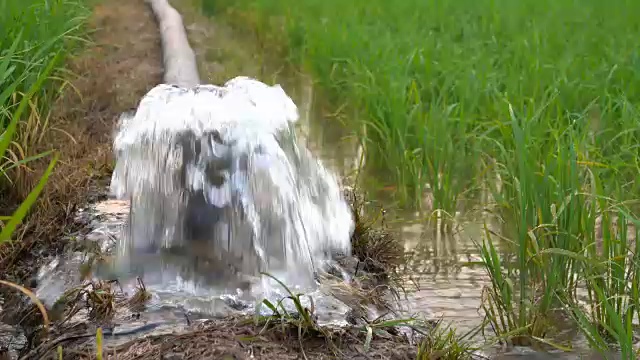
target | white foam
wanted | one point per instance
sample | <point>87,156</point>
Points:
<point>271,205</point>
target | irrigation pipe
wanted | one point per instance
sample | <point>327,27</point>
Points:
<point>179,59</point>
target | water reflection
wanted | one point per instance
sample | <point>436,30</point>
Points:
<point>441,266</point>
<point>440,276</point>
<point>320,130</point>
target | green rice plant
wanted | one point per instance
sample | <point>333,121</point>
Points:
<point>7,135</point>
<point>617,334</point>
<point>611,277</point>
<point>554,206</point>
<point>431,77</point>
<point>553,219</point>
<point>613,284</point>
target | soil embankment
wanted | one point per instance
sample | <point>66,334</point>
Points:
<point>110,76</point>
<point>122,62</point>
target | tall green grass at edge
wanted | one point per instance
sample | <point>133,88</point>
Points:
<point>35,37</point>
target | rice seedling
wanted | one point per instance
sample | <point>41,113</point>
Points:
<point>443,342</point>
<point>611,277</point>
<point>432,92</point>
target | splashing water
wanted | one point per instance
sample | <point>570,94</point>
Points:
<point>217,173</point>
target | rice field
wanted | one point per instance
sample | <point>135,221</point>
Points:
<point>533,105</point>
<point>35,38</point>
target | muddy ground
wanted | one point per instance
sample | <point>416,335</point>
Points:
<point>113,73</point>
<point>236,338</point>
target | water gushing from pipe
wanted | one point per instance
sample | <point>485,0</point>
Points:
<point>217,172</point>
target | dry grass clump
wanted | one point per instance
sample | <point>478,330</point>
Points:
<point>101,300</point>
<point>372,244</point>
<point>98,297</point>
<point>138,301</point>
<point>377,282</point>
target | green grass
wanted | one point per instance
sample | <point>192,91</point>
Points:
<point>443,342</point>
<point>538,101</point>
<point>35,38</point>
<point>435,78</point>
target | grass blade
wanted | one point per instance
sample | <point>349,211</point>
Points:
<point>22,211</point>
